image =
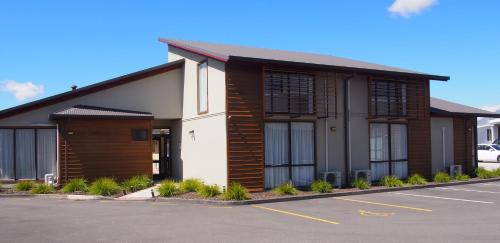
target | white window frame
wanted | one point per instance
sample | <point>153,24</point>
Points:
<point>202,100</point>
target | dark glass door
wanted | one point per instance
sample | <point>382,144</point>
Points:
<point>162,166</point>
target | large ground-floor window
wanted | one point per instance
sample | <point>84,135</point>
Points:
<point>388,150</point>
<point>289,153</point>
<point>27,153</point>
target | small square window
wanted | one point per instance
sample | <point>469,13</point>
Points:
<point>140,134</point>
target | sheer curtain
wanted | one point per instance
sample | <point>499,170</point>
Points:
<point>302,153</point>
<point>46,152</point>
<point>6,154</point>
<point>379,150</point>
<point>25,154</point>
<point>399,150</point>
<point>203,87</point>
<point>277,154</point>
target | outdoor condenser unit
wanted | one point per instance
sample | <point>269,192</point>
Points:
<point>364,174</point>
<point>49,179</point>
<point>455,170</point>
<point>333,177</point>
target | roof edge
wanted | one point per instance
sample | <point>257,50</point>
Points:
<point>110,83</point>
<point>199,51</point>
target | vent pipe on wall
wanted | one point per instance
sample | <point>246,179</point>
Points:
<point>347,128</point>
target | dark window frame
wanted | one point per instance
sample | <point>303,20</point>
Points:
<point>388,98</point>
<point>136,137</point>
<point>389,134</point>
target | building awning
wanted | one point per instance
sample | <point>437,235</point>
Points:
<point>441,107</point>
<point>84,111</point>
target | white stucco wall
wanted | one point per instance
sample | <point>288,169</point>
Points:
<point>203,137</point>
<point>160,94</point>
<point>437,125</point>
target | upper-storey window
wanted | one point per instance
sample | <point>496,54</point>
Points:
<point>388,99</point>
<point>289,93</point>
<point>203,87</point>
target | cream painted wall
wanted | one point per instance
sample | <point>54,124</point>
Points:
<point>203,137</point>
<point>160,94</point>
<point>437,124</point>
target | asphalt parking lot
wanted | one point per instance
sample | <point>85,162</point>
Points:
<point>466,213</point>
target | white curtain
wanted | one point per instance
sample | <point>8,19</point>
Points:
<point>25,154</point>
<point>400,169</point>
<point>379,170</point>
<point>203,87</point>
<point>302,153</point>
<point>379,142</point>
<point>399,150</point>
<point>46,152</point>
<point>6,154</point>
<point>277,154</point>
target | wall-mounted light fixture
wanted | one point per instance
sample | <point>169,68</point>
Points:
<point>333,129</point>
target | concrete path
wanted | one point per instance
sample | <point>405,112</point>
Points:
<point>141,195</point>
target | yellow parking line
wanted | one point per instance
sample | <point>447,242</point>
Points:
<point>384,204</point>
<point>296,214</point>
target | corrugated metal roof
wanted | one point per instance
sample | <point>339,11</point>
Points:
<point>443,107</point>
<point>84,111</point>
<point>223,52</point>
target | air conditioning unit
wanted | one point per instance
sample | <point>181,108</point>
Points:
<point>364,174</point>
<point>455,170</point>
<point>49,179</point>
<point>333,177</point>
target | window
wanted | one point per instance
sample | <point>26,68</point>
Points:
<point>289,153</point>
<point>140,134</point>
<point>488,134</point>
<point>203,87</point>
<point>388,150</point>
<point>288,93</point>
<point>27,153</point>
<point>388,99</point>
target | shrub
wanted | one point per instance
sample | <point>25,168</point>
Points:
<point>483,173</point>
<point>321,186</point>
<point>417,179</point>
<point>361,183</point>
<point>191,185</point>
<point>236,192</point>
<point>391,181</point>
<point>75,185</point>
<point>42,188</point>
<point>24,186</point>
<point>137,183</point>
<point>442,177</point>
<point>209,191</point>
<point>104,186</point>
<point>462,177</point>
<point>168,188</point>
<point>286,189</point>
<point>496,172</point>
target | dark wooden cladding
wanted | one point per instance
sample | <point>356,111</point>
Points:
<point>463,142</point>
<point>245,133</point>
<point>103,147</point>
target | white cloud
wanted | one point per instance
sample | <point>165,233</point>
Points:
<point>493,108</point>
<point>406,8</point>
<point>22,91</point>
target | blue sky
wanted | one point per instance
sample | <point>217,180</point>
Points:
<point>46,46</point>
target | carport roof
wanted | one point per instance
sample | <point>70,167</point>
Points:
<point>84,111</point>
<point>447,108</point>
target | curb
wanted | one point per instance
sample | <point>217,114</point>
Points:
<point>248,202</point>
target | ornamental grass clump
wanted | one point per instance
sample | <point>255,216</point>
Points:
<point>137,183</point>
<point>286,189</point>
<point>391,181</point>
<point>462,177</point>
<point>104,187</point>
<point>236,192</point>
<point>208,191</point>
<point>42,188</point>
<point>361,183</point>
<point>442,177</point>
<point>75,185</point>
<point>416,179</point>
<point>23,186</point>
<point>191,185</point>
<point>321,186</point>
<point>168,188</point>
<point>483,173</point>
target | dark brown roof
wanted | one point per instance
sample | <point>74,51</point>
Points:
<point>224,53</point>
<point>443,107</point>
<point>92,88</point>
<point>84,111</point>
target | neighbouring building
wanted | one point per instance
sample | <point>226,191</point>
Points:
<point>226,113</point>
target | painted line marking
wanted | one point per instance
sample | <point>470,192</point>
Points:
<point>374,214</point>
<point>487,184</point>
<point>464,189</point>
<point>444,198</point>
<point>384,204</point>
<point>219,207</point>
<point>296,214</point>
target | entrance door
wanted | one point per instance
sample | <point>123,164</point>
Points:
<point>162,166</point>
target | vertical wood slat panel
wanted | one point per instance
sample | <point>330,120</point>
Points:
<point>245,134</point>
<point>462,142</point>
<point>103,147</point>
